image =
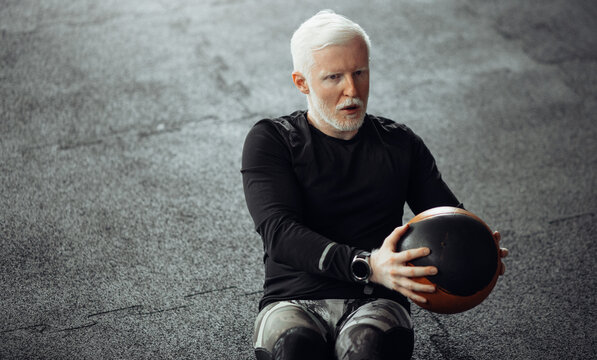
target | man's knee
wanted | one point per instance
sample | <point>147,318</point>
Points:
<point>286,331</point>
<point>296,343</point>
<point>399,343</point>
<point>365,341</point>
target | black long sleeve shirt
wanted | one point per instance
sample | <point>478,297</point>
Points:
<point>317,200</point>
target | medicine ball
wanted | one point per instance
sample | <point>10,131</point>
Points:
<point>463,250</point>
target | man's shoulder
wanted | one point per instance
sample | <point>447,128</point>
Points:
<point>284,124</point>
<point>389,127</point>
<point>288,131</point>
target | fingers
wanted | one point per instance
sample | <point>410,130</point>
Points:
<point>414,271</point>
<point>410,289</point>
<point>393,238</point>
<point>399,275</point>
<point>411,295</point>
<point>412,285</point>
<point>411,254</point>
<point>497,237</point>
<point>503,252</point>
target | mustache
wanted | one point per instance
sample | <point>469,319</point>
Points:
<point>350,102</point>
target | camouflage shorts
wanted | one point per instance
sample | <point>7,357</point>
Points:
<point>338,322</point>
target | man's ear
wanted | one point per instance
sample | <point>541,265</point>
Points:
<point>300,82</point>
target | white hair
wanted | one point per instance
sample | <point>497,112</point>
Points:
<point>321,30</point>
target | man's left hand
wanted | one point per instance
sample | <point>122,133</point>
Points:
<point>503,252</point>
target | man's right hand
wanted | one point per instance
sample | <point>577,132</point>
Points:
<point>390,269</point>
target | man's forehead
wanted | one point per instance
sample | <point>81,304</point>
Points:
<point>331,69</point>
<point>340,62</point>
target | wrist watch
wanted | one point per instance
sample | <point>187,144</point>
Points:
<point>360,268</point>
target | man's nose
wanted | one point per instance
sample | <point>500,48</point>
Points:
<point>350,88</point>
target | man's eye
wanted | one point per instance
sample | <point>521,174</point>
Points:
<point>333,77</point>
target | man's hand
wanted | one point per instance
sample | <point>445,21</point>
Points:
<point>503,251</point>
<point>390,270</point>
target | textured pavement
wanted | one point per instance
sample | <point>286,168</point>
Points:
<point>123,228</point>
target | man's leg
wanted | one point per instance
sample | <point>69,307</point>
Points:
<point>284,330</point>
<point>381,329</point>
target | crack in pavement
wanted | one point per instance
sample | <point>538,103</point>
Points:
<point>134,310</point>
<point>445,344</point>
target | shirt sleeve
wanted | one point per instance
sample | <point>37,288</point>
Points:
<point>427,189</point>
<point>273,197</point>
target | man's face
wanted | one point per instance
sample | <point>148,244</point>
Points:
<point>339,88</point>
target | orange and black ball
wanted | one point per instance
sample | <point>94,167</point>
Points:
<point>463,250</point>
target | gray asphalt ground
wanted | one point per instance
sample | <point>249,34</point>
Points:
<point>123,228</point>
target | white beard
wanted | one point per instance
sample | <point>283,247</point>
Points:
<point>350,123</point>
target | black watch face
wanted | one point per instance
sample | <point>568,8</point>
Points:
<point>360,269</point>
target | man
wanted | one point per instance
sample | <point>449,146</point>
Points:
<point>326,189</point>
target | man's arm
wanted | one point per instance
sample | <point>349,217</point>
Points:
<point>273,197</point>
<point>427,189</point>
